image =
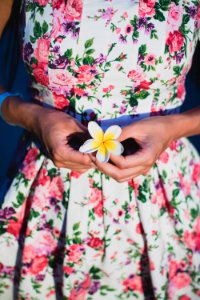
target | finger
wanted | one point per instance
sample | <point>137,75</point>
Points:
<point>76,157</point>
<point>116,173</point>
<point>141,158</point>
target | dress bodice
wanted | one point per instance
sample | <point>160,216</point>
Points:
<point>110,58</point>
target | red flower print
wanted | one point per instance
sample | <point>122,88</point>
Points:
<point>39,263</point>
<point>95,242</point>
<point>41,76</point>
<point>68,270</point>
<point>98,210</point>
<point>184,297</point>
<point>60,101</point>
<point>175,41</point>
<point>196,173</point>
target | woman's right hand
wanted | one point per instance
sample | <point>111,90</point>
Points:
<point>54,128</point>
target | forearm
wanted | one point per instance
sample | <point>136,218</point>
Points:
<point>16,111</point>
<point>185,124</point>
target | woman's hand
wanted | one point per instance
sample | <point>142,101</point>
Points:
<point>54,128</point>
<point>153,135</point>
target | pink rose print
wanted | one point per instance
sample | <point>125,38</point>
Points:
<point>86,74</point>
<point>42,2</point>
<point>134,283</point>
<point>80,293</point>
<point>196,173</point>
<point>42,50</point>
<point>181,280</point>
<point>39,263</point>
<point>45,243</point>
<point>57,27</point>
<point>75,252</point>
<point>29,171</point>
<point>98,209</point>
<point>174,17</point>
<point>146,8</point>
<point>31,155</point>
<point>74,10</point>
<point>61,80</point>
<point>164,157</point>
<point>56,188</point>
<point>75,174</point>
<point>175,41</point>
<point>181,91</point>
<point>192,239</point>
<point>28,253</point>
<point>150,60</point>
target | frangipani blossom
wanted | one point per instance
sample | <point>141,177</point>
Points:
<point>103,142</point>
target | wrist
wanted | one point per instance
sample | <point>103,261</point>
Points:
<point>23,114</point>
<point>178,126</point>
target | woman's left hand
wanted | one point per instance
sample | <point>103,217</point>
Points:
<point>153,135</point>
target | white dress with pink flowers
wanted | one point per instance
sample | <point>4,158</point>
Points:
<point>64,235</point>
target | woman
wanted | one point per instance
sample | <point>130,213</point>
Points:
<point>74,227</point>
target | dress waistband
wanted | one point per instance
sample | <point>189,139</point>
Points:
<point>125,120</point>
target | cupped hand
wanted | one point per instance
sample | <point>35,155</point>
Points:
<point>153,136</point>
<point>54,129</point>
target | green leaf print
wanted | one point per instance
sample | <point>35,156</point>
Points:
<point>37,30</point>
<point>76,226</point>
<point>20,199</point>
<point>175,193</point>
<point>34,214</point>
<point>164,4</point>
<point>133,101</point>
<point>143,49</point>
<point>159,16</point>
<point>186,19</point>
<point>143,94</point>
<point>44,27</point>
<point>90,51</point>
<point>194,213</point>
<point>89,43</point>
<point>68,54</point>
<point>52,173</point>
<point>88,60</point>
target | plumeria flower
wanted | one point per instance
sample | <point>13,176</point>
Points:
<point>103,142</point>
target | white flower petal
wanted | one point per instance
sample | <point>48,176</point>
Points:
<point>95,131</point>
<point>114,147</point>
<point>102,154</point>
<point>112,133</point>
<point>88,146</point>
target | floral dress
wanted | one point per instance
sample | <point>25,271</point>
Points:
<point>64,235</point>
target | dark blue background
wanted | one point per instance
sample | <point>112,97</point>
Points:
<point>10,134</point>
